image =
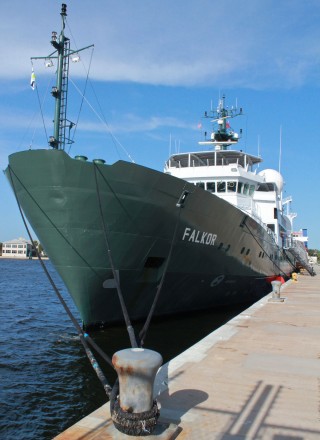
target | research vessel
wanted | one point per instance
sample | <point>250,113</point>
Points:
<point>210,230</point>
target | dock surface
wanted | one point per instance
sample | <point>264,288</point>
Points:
<point>256,377</point>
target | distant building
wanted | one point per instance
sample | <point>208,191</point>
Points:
<point>17,248</point>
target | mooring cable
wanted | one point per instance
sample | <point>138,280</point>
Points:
<point>145,328</point>
<point>54,226</point>
<point>130,329</point>
<point>288,259</point>
<point>84,337</point>
<point>180,205</point>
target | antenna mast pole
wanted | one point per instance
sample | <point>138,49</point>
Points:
<point>59,92</point>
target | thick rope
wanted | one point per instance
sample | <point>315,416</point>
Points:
<point>143,332</point>
<point>84,337</point>
<point>54,226</point>
<point>139,424</point>
<point>115,275</point>
<point>129,423</point>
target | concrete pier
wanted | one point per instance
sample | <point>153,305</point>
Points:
<point>256,377</point>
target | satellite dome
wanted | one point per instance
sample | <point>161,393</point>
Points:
<point>272,176</point>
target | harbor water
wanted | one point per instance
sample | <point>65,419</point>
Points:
<point>47,382</point>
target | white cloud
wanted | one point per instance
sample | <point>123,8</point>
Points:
<point>252,43</point>
<point>132,123</point>
<point>32,127</point>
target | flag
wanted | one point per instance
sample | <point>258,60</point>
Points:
<point>33,80</point>
<point>227,124</point>
<point>199,125</point>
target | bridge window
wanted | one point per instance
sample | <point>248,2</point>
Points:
<point>211,186</point>
<point>231,186</point>
<point>251,190</point>
<point>200,184</point>
<point>240,186</point>
<point>246,188</point>
<point>221,187</point>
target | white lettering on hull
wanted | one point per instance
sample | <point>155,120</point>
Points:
<point>196,236</point>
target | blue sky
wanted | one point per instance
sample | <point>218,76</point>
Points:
<point>156,67</point>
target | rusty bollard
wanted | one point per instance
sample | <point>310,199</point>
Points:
<point>135,412</point>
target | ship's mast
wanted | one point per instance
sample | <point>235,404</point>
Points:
<point>60,91</point>
<point>62,56</point>
<point>221,136</point>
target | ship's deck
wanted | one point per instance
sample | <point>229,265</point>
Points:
<point>255,377</point>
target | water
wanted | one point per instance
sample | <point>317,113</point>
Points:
<point>47,383</point>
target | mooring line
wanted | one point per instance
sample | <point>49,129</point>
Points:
<point>130,329</point>
<point>53,225</point>
<point>143,332</point>
<point>84,337</point>
<point>145,328</point>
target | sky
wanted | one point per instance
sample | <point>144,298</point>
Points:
<point>154,69</point>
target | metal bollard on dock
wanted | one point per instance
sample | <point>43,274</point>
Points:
<point>135,412</point>
<point>276,287</point>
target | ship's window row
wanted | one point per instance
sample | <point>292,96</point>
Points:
<point>221,158</point>
<point>227,186</point>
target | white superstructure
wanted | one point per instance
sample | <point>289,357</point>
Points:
<point>232,175</point>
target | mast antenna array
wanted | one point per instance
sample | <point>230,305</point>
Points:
<point>62,54</point>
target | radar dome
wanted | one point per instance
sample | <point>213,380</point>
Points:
<point>273,176</point>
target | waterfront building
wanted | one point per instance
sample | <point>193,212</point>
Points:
<point>17,248</point>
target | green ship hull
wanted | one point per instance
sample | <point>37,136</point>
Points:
<point>84,212</point>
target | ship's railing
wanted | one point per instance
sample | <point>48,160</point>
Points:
<point>189,164</point>
<point>200,163</point>
<point>209,159</point>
